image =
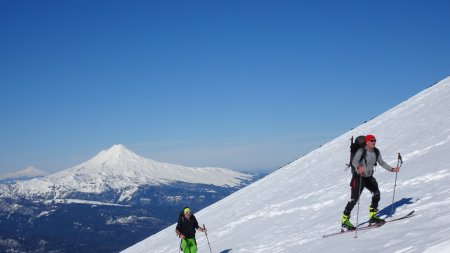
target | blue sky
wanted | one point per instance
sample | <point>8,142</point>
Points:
<point>247,85</point>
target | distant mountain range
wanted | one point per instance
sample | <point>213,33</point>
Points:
<point>120,170</point>
<point>115,195</point>
<point>27,173</point>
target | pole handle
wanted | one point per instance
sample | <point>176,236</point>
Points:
<point>399,160</point>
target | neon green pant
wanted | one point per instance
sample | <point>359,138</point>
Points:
<point>189,245</point>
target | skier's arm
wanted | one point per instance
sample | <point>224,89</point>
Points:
<point>196,226</point>
<point>178,231</point>
<point>357,158</point>
<point>357,163</point>
<point>386,166</point>
<point>179,234</point>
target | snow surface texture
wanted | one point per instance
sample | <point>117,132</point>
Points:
<point>121,170</point>
<point>290,209</point>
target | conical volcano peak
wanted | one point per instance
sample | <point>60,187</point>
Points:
<point>28,172</point>
<point>115,155</point>
<point>33,171</point>
<point>119,149</point>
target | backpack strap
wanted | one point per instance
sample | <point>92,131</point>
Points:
<point>363,157</point>
<point>181,217</point>
<point>364,154</point>
<point>377,154</point>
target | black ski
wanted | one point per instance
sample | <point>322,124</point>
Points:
<point>359,228</point>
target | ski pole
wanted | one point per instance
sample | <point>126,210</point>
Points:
<point>207,238</point>
<point>179,246</point>
<point>399,164</point>
<point>357,213</point>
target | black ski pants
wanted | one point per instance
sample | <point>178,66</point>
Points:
<point>366,182</point>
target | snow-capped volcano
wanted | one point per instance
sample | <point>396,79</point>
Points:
<point>28,172</point>
<point>120,170</point>
<point>107,203</point>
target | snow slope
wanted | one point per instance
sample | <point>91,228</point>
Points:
<point>121,170</point>
<point>290,210</point>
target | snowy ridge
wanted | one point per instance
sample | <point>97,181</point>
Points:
<point>78,201</point>
<point>290,209</point>
<point>120,170</point>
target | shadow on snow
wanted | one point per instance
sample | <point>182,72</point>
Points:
<point>390,210</point>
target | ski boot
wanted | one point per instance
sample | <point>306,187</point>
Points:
<point>346,224</point>
<point>374,219</point>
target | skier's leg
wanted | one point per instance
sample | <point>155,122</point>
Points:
<point>355,194</point>
<point>192,246</point>
<point>372,184</point>
<point>185,246</point>
<point>356,187</point>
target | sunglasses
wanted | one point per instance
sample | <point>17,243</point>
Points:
<point>373,140</point>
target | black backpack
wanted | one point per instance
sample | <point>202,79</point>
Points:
<point>360,142</point>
